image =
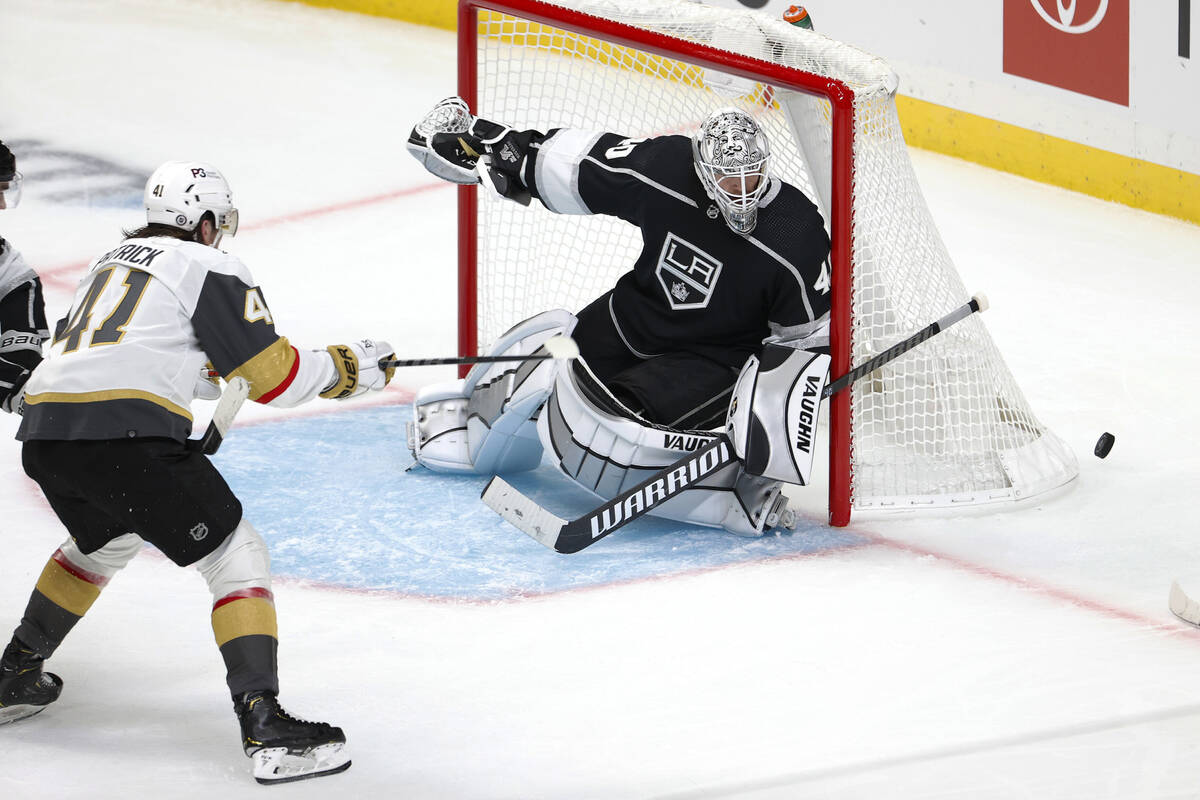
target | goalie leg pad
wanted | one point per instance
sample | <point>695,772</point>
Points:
<point>484,423</point>
<point>607,449</point>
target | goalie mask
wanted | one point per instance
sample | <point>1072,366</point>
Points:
<point>180,192</point>
<point>731,155</point>
<point>10,179</point>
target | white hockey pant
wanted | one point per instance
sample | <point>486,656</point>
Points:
<point>239,566</point>
<point>483,423</point>
<point>108,560</point>
<point>240,563</point>
<point>608,449</point>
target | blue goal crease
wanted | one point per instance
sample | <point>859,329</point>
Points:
<point>332,497</point>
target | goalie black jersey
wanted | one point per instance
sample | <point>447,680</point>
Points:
<point>126,360</point>
<point>696,286</point>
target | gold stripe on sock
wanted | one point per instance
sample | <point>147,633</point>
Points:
<point>67,590</point>
<point>247,616</point>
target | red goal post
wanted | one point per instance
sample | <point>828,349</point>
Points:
<point>511,51</point>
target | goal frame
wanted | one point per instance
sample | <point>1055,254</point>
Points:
<point>841,99</point>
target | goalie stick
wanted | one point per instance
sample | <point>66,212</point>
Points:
<point>571,536</point>
<point>236,392</point>
<point>977,303</point>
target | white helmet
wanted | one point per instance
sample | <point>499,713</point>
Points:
<point>179,192</point>
<point>732,154</point>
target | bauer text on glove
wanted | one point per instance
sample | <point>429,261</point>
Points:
<point>357,368</point>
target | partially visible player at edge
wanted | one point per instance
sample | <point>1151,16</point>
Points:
<point>105,435</point>
<point>22,309</point>
<point>731,255</point>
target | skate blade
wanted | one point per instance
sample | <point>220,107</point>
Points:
<point>277,765</point>
<point>14,713</point>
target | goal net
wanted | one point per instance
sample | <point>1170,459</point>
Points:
<point>945,424</point>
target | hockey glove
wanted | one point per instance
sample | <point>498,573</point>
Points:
<point>12,386</point>
<point>357,366</point>
<point>207,387</point>
<point>20,353</point>
<point>444,143</point>
<point>504,161</point>
<point>450,141</point>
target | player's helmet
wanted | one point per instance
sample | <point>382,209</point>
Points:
<point>10,179</point>
<point>732,156</point>
<point>179,192</point>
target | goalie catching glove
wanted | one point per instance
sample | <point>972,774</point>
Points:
<point>450,142</point>
<point>357,367</point>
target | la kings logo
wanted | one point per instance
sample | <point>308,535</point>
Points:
<point>687,274</point>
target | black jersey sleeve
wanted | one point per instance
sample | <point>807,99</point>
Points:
<point>22,326</point>
<point>23,323</point>
<point>800,304</point>
<point>574,171</point>
<point>800,313</point>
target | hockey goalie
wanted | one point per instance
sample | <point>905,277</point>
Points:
<point>721,322</point>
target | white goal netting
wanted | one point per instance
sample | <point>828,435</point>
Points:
<point>943,425</point>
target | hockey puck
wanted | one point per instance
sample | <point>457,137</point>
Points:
<point>1104,444</point>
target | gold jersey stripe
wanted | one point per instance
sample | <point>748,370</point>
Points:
<point>111,394</point>
<point>268,369</point>
<point>248,616</point>
<point>66,590</point>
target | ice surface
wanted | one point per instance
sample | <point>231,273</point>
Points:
<point>427,534</point>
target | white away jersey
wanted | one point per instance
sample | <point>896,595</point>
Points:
<point>125,360</point>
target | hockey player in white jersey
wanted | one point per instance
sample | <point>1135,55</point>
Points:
<point>732,257</point>
<point>105,435</point>
<point>22,310</point>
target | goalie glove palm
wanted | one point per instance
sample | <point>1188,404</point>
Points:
<point>357,366</point>
<point>450,140</point>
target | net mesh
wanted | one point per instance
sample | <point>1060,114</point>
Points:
<point>943,424</point>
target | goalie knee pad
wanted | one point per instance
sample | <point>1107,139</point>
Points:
<point>484,423</point>
<point>607,449</point>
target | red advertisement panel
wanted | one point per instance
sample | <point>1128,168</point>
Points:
<point>1080,45</point>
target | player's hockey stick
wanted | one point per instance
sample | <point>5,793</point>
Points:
<point>555,347</point>
<point>571,536</point>
<point>236,392</point>
<point>1183,606</point>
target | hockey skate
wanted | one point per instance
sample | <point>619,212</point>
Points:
<point>285,748</point>
<point>24,688</point>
